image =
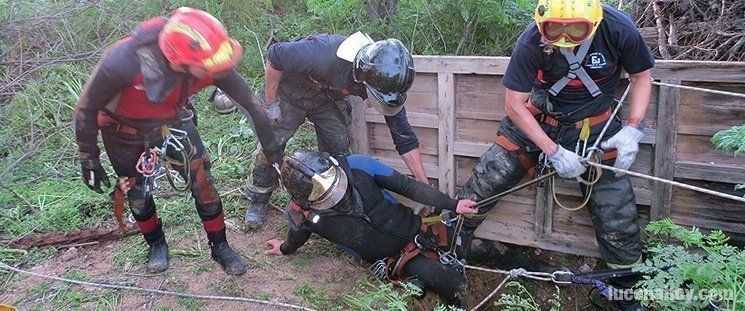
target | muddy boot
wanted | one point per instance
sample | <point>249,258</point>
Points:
<point>256,211</point>
<point>157,254</point>
<point>228,259</point>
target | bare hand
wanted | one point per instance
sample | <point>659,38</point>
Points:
<point>275,245</point>
<point>465,207</point>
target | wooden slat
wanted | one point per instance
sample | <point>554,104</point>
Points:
<point>358,129</point>
<point>446,131</point>
<point>710,172</point>
<point>701,130</point>
<point>685,70</point>
<point>430,169</point>
<point>664,163</point>
<point>416,119</point>
<point>461,64</point>
<point>470,149</point>
<point>544,210</point>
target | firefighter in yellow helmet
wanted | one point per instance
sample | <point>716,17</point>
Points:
<point>563,76</point>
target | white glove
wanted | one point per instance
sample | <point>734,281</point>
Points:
<point>273,111</point>
<point>566,163</point>
<point>626,143</point>
<point>421,207</point>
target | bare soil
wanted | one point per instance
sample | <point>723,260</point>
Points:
<point>318,264</point>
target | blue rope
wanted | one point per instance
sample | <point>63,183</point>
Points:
<point>602,287</point>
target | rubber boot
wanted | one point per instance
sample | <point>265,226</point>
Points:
<point>624,283</point>
<point>228,259</point>
<point>157,254</point>
<point>256,212</point>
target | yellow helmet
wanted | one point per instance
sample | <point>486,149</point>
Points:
<point>567,23</point>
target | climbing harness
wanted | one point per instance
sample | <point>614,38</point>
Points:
<point>576,70</point>
<point>594,154</point>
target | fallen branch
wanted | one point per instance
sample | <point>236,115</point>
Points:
<point>78,236</point>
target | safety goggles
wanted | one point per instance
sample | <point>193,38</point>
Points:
<point>575,30</point>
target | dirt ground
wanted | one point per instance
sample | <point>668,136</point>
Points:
<point>317,276</point>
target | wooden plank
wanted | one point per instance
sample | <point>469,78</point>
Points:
<point>544,210</point>
<point>520,234</point>
<point>397,164</point>
<point>686,70</point>
<point>461,64</point>
<point>664,164</point>
<point>446,131</point>
<point>710,172</point>
<point>358,131</point>
<point>470,149</point>
<point>416,119</point>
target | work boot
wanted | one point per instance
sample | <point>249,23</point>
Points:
<point>228,259</point>
<point>157,254</point>
<point>256,211</point>
<point>625,283</point>
<point>631,305</point>
<point>157,257</point>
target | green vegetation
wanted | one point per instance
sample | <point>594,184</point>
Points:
<point>704,262</point>
<point>731,141</point>
<point>518,298</point>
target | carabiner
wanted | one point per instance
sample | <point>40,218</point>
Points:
<point>562,277</point>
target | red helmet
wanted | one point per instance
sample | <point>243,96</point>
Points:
<point>193,37</point>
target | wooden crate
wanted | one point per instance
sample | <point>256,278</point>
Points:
<point>456,104</point>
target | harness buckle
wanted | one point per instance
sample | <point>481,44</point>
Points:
<point>574,66</point>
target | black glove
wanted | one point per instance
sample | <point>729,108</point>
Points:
<point>94,174</point>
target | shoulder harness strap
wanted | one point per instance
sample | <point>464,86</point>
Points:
<point>576,70</point>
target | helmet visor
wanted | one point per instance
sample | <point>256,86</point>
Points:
<point>328,188</point>
<point>388,104</point>
<point>575,30</point>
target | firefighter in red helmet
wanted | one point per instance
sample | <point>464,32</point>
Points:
<point>137,96</point>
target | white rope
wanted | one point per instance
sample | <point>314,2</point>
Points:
<point>154,291</point>
<point>514,273</point>
<point>671,182</point>
<point>700,89</point>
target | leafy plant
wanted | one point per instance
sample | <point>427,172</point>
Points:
<point>732,141</point>
<point>384,296</point>
<point>703,263</point>
<point>519,298</point>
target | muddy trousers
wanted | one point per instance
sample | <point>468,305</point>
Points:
<point>444,280</point>
<point>124,150</point>
<point>612,204</point>
<point>331,120</point>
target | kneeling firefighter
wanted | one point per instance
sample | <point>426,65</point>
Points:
<point>560,82</point>
<point>137,97</point>
<point>349,205</point>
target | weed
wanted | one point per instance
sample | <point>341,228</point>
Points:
<point>190,303</point>
<point>703,263</point>
<point>317,297</point>
<point>518,298</point>
<point>382,296</point>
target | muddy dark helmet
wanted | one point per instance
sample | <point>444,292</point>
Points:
<point>387,70</point>
<point>313,180</point>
